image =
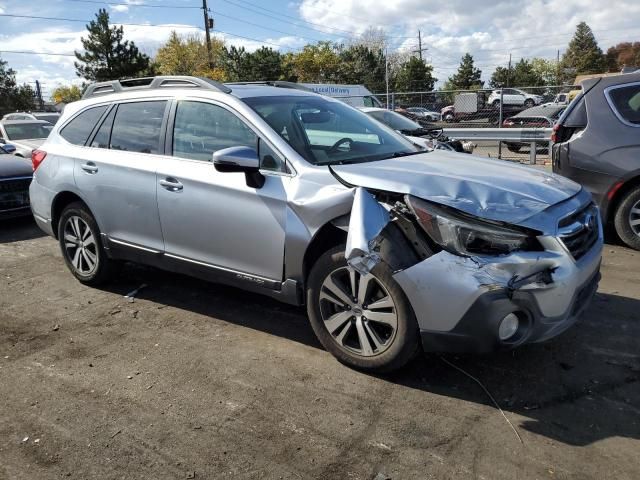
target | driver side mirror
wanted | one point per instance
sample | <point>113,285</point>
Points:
<point>240,159</point>
<point>8,148</point>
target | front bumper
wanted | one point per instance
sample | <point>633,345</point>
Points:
<point>459,301</point>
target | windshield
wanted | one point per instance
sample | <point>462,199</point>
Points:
<point>22,131</point>
<point>395,120</point>
<point>325,131</point>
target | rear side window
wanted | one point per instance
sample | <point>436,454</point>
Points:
<point>101,140</point>
<point>577,116</point>
<point>137,125</point>
<point>625,101</point>
<point>77,130</point>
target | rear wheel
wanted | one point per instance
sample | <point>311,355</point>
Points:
<point>513,147</point>
<point>81,245</point>
<point>627,219</point>
<point>365,321</point>
<point>496,103</point>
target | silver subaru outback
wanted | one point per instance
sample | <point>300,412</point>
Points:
<point>302,198</point>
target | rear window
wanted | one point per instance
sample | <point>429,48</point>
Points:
<point>625,101</point>
<point>137,126</point>
<point>77,130</point>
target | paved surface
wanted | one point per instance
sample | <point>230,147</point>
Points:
<point>194,380</point>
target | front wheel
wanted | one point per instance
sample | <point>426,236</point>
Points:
<point>365,321</point>
<point>627,219</point>
<point>529,103</point>
<point>81,245</point>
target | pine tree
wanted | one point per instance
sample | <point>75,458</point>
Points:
<point>583,55</point>
<point>414,75</point>
<point>467,77</point>
<point>106,55</point>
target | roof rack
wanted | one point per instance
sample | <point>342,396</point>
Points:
<point>274,83</point>
<point>144,83</point>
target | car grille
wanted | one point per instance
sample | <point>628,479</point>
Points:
<point>579,231</point>
<point>14,193</point>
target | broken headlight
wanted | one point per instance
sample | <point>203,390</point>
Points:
<point>465,235</point>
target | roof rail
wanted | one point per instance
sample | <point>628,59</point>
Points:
<point>144,83</point>
<point>274,83</point>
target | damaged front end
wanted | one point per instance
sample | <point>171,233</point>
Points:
<point>475,285</point>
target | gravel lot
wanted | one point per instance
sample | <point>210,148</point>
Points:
<point>196,380</point>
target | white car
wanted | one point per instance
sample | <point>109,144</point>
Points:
<point>425,113</point>
<point>513,96</point>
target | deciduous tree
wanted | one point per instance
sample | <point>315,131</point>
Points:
<point>66,94</point>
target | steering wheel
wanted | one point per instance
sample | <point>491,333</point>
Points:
<point>335,146</point>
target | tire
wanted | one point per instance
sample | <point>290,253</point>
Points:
<point>513,147</point>
<point>496,103</point>
<point>628,211</point>
<point>448,117</point>
<point>388,345</point>
<point>529,103</point>
<point>74,222</point>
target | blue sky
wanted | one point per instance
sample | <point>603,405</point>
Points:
<point>490,30</point>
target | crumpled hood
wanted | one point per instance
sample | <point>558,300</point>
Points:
<point>491,189</point>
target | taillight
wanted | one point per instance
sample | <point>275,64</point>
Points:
<point>507,123</point>
<point>37,156</point>
<point>554,134</point>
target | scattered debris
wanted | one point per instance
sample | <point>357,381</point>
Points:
<point>129,377</point>
<point>56,327</point>
<point>381,446</point>
<point>191,474</point>
<point>37,440</point>
<point>130,297</point>
<point>114,311</point>
<point>488,394</point>
<point>117,433</point>
<point>25,439</point>
<point>381,476</point>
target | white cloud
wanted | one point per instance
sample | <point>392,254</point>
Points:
<point>489,29</point>
<point>119,8</point>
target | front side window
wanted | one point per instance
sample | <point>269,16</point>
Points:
<point>626,102</point>
<point>77,130</point>
<point>137,126</point>
<point>325,132</point>
<point>200,129</point>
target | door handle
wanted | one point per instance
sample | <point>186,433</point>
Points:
<point>171,184</point>
<point>89,167</point>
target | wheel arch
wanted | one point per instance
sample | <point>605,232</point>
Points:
<point>327,237</point>
<point>631,183</point>
<point>60,201</point>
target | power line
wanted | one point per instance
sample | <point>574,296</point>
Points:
<point>61,19</point>
<point>262,26</point>
<point>144,5</point>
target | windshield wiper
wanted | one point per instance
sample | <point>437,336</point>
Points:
<point>404,154</point>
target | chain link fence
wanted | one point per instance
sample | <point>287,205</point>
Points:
<point>509,107</point>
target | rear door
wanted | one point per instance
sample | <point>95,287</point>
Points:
<point>211,218</point>
<point>117,172</point>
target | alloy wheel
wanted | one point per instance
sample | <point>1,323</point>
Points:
<point>80,245</point>
<point>634,218</point>
<point>358,312</point>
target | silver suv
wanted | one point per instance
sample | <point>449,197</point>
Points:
<point>303,198</point>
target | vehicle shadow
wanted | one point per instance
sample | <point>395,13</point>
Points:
<point>19,229</point>
<point>577,389</point>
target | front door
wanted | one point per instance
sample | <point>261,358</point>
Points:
<point>214,218</point>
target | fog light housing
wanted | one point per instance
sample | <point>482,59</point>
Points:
<point>508,326</point>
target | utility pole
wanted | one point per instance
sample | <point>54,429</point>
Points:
<point>39,95</point>
<point>208,24</point>
<point>509,72</point>
<point>420,49</point>
<point>386,72</point>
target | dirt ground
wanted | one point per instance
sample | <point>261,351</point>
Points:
<point>196,380</point>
